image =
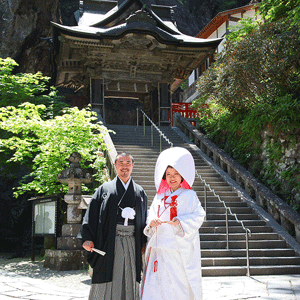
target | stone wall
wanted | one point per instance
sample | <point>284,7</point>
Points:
<point>289,158</point>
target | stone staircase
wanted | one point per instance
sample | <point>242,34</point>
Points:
<point>269,253</point>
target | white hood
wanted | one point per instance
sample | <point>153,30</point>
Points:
<point>178,158</point>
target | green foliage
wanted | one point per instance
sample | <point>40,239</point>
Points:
<point>37,135</point>
<point>25,87</point>
<point>241,135</point>
<point>185,85</point>
<point>49,143</point>
<point>242,29</point>
<point>250,101</point>
<point>6,66</point>
<point>259,68</point>
<point>287,10</point>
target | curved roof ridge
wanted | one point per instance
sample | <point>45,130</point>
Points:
<point>117,13</point>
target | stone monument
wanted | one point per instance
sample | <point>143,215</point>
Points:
<point>69,254</point>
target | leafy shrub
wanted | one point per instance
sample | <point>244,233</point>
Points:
<point>49,143</point>
<point>252,98</point>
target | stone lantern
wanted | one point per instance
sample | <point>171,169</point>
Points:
<point>69,254</point>
<point>74,177</point>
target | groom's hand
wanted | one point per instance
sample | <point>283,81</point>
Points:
<point>88,245</point>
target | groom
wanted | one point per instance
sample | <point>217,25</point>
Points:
<point>116,275</point>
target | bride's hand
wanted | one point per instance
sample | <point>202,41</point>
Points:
<point>155,223</point>
<point>174,222</point>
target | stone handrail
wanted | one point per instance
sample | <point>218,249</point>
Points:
<point>189,91</point>
<point>280,211</point>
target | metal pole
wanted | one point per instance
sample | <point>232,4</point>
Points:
<point>158,96</point>
<point>160,142</point>
<point>227,234</point>
<point>137,116</point>
<point>151,135</point>
<point>247,253</point>
<point>103,102</point>
<point>205,200</point>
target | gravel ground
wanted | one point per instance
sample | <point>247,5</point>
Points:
<point>77,280</point>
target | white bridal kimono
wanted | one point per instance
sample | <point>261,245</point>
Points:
<point>174,251</point>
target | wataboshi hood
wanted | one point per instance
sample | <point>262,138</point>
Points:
<point>181,160</point>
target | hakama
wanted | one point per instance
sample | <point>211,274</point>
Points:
<point>124,285</point>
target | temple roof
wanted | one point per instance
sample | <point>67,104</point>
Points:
<point>119,20</point>
<point>127,41</point>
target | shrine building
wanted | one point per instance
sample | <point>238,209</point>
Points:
<point>126,54</point>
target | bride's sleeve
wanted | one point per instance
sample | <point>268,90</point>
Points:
<point>152,214</point>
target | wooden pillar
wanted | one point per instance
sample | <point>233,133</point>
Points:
<point>164,100</point>
<point>97,96</point>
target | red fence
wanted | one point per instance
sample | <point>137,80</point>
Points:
<point>185,110</point>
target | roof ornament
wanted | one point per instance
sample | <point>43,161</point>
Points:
<point>141,16</point>
<point>81,8</point>
<point>173,19</point>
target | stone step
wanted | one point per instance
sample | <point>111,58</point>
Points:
<point>239,236</point>
<point>253,244</point>
<point>256,270</point>
<point>235,229</point>
<point>222,210</point>
<point>214,185</point>
<point>269,254</point>
<point>214,200</point>
<point>222,253</point>
<point>254,261</point>
<point>218,223</point>
<point>217,204</point>
<point>241,217</point>
<point>140,137</point>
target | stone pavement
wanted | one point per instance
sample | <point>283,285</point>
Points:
<point>280,287</point>
<point>286,287</point>
<point>20,287</point>
<point>26,280</point>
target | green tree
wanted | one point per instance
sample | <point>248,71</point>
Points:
<point>37,135</point>
<point>254,88</point>
<point>49,143</point>
<point>262,66</point>
<point>244,28</point>
<point>16,89</point>
<point>284,10</point>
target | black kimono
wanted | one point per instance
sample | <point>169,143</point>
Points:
<point>100,221</point>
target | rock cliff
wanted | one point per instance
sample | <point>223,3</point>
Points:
<point>23,23</point>
<point>25,28</point>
